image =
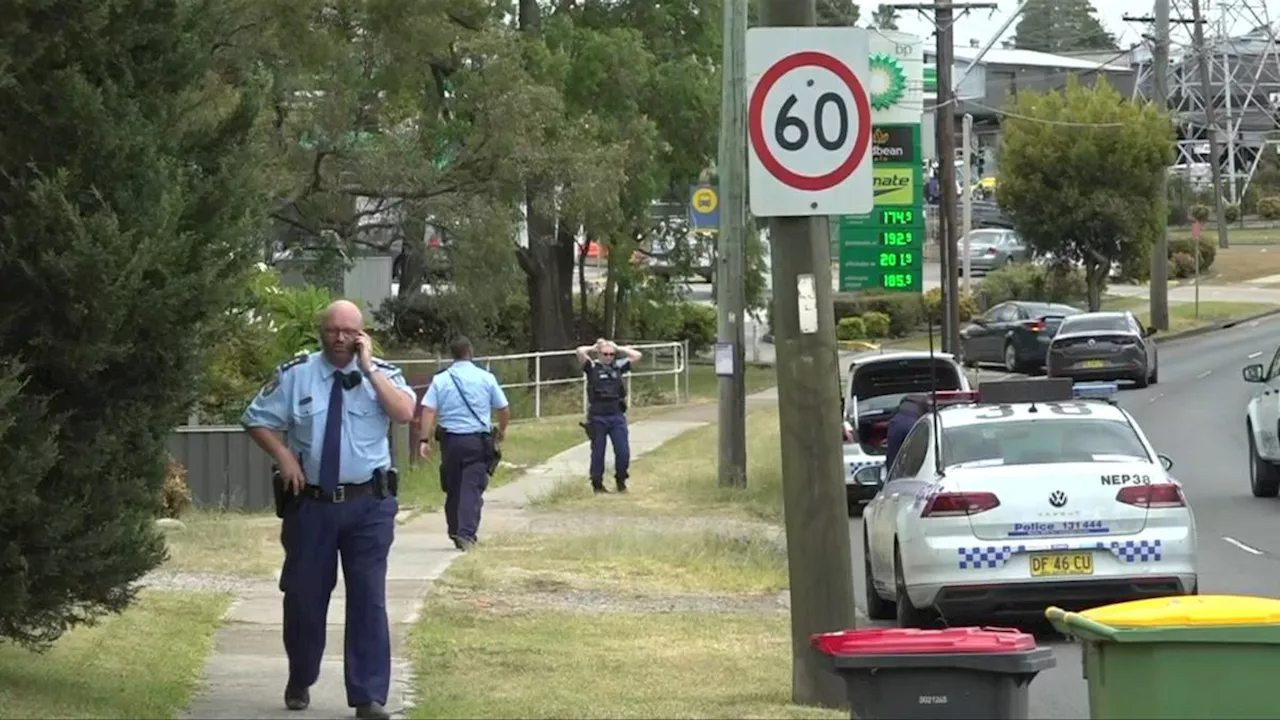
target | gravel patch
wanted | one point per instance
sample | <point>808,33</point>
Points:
<point>596,601</point>
<point>197,582</point>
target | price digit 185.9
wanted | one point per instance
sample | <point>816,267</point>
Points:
<point>898,281</point>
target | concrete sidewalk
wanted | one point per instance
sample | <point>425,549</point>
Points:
<point>245,676</point>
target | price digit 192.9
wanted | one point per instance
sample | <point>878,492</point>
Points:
<point>786,121</point>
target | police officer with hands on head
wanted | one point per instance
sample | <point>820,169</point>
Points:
<point>460,403</point>
<point>607,407</point>
<point>335,407</point>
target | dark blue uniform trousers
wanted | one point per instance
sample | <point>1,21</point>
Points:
<point>463,470</point>
<point>611,428</point>
<point>314,533</point>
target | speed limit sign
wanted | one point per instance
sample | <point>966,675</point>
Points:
<point>809,121</point>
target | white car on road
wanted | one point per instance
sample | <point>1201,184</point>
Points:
<point>1262,423</point>
<point>998,505</point>
<point>877,383</point>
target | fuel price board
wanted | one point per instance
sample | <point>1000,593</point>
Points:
<point>884,251</point>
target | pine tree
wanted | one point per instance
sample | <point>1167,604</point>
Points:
<point>127,178</point>
<point>1057,26</point>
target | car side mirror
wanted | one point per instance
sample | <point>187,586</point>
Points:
<point>980,322</point>
<point>870,475</point>
<point>1166,462</point>
<point>1253,373</point>
<point>1151,330</point>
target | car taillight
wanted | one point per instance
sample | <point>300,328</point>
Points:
<point>1035,325</point>
<point>958,504</point>
<point>1160,495</point>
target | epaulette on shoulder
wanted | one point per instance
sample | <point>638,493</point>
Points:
<point>385,365</point>
<point>297,360</point>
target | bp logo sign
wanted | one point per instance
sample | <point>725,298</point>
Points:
<point>888,81</point>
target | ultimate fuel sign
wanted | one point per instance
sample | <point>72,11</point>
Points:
<point>884,251</point>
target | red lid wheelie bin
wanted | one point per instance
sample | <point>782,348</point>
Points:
<point>951,674</point>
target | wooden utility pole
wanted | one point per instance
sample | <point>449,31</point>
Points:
<point>945,121</point>
<point>1210,121</point>
<point>731,288</point>
<point>1160,96</point>
<point>819,559</point>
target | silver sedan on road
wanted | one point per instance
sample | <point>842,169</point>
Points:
<point>994,248</point>
<point>1104,346</point>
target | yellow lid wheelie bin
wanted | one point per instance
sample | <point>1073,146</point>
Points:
<point>1183,657</point>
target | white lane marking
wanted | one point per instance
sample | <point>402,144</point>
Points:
<point>1254,355</point>
<point>1204,374</point>
<point>1242,546</point>
<point>1157,397</point>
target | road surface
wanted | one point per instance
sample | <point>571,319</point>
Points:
<point>1195,416</point>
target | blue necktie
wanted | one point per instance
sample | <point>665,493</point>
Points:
<point>331,451</point>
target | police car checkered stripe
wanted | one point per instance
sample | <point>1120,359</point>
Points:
<point>989,556</point>
<point>1134,551</point>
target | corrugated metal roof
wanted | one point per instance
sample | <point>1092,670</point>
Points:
<point>1031,58</point>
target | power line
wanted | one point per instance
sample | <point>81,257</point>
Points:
<point>1044,121</point>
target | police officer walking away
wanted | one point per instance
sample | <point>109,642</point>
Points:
<point>456,412</point>
<point>334,407</point>
<point>607,408</point>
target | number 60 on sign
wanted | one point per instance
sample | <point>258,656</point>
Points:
<point>809,122</point>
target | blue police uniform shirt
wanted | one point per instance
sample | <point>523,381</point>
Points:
<point>296,403</point>
<point>480,388</point>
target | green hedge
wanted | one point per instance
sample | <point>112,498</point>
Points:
<point>1186,246</point>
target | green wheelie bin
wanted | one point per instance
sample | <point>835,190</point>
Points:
<point>1183,657</point>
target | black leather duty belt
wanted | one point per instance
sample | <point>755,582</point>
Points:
<point>315,492</point>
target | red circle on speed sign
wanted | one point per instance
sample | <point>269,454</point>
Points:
<point>862,108</point>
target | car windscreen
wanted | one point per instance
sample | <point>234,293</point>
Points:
<point>1041,442</point>
<point>1095,323</point>
<point>985,238</point>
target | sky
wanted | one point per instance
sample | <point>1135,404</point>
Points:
<point>980,25</point>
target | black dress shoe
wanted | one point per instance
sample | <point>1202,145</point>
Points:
<point>622,486</point>
<point>465,544</point>
<point>297,698</point>
<point>599,490</point>
<point>372,711</point>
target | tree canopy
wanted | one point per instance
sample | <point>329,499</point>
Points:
<point>1080,176</point>
<point>1058,26</point>
<point>129,193</point>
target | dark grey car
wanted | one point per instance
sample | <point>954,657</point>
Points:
<point>1104,346</point>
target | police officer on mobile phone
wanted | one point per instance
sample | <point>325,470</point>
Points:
<point>335,408</point>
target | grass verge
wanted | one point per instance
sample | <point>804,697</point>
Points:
<point>679,479</point>
<point>1183,316</point>
<point>556,664</point>
<point>225,542</point>
<point>1236,235</point>
<point>1242,264</point>
<point>144,663</point>
<point>631,609</point>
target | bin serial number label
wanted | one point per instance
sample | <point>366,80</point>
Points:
<point>933,700</point>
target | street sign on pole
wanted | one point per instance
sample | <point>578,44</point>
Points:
<point>704,208</point>
<point>809,121</point>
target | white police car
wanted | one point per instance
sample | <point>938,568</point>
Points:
<point>877,383</point>
<point>1043,495</point>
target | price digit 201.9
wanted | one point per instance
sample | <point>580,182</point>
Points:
<point>786,121</point>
